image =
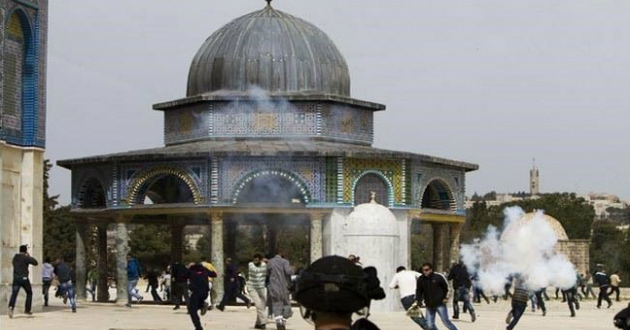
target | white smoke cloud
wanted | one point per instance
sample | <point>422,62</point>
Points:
<point>525,248</point>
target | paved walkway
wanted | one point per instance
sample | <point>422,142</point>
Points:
<point>148,317</point>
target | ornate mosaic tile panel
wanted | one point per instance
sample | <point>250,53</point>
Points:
<point>348,123</point>
<point>392,170</point>
<point>270,118</point>
<point>2,14</point>
<point>310,170</point>
<point>185,124</point>
<point>22,76</point>
<point>12,72</point>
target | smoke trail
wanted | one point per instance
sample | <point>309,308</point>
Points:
<point>526,248</point>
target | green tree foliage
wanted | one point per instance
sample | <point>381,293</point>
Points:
<point>151,245</point>
<point>609,247</point>
<point>59,226</point>
<point>619,215</point>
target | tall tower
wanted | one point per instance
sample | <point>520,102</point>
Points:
<point>534,180</point>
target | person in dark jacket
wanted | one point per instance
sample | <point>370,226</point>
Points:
<point>461,287</point>
<point>21,261</point>
<point>64,275</point>
<point>622,319</point>
<point>153,284</point>
<point>198,276</point>
<point>603,282</point>
<point>571,295</point>
<point>179,282</point>
<point>232,288</point>
<point>432,288</point>
<point>519,303</point>
<point>133,276</point>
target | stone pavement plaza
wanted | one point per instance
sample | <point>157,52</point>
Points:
<point>152,317</point>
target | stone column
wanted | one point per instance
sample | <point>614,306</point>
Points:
<point>122,248</point>
<point>177,240</point>
<point>438,247</point>
<point>102,289</point>
<point>81,263</point>
<point>272,236</point>
<point>216,231</point>
<point>316,236</point>
<point>231,232</point>
<point>455,231</point>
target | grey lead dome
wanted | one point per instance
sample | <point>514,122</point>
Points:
<point>275,51</point>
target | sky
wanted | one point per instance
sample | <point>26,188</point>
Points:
<point>491,82</point>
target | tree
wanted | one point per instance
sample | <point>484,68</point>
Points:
<point>607,244</point>
<point>619,215</point>
<point>151,245</point>
<point>59,227</point>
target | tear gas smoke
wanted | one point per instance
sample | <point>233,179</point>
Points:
<point>526,248</point>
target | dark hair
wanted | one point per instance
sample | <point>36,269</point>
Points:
<point>47,260</point>
<point>400,269</point>
<point>427,264</point>
<point>258,256</point>
<point>23,248</point>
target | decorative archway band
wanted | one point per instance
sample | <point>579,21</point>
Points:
<point>144,177</point>
<point>299,183</point>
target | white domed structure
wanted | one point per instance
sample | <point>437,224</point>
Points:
<point>371,232</point>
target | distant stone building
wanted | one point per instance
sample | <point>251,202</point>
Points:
<point>23,35</point>
<point>603,203</point>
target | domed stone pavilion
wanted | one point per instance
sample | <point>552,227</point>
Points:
<point>576,250</point>
<point>268,135</point>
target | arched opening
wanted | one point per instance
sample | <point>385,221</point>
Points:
<point>282,190</point>
<point>165,189</point>
<point>19,115</point>
<point>92,195</point>
<point>269,232</point>
<point>368,184</point>
<point>438,196</point>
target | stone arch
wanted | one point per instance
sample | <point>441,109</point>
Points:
<point>20,81</point>
<point>296,180</point>
<point>146,179</point>
<point>92,194</point>
<point>438,195</point>
<point>370,175</point>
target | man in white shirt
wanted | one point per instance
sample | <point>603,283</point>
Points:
<point>405,281</point>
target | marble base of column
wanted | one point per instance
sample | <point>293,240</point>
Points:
<point>216,231</point>
<point>316,237</point>
<point>122,248</point>
<point>102,290</point>
<point>438,247</point>
<point>80,262</point>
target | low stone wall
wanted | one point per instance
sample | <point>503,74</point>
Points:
<point>577,251</point>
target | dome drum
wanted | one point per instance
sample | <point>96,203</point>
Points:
<point>273,119</point>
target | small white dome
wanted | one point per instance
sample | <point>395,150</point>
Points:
<point>371,219</point>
